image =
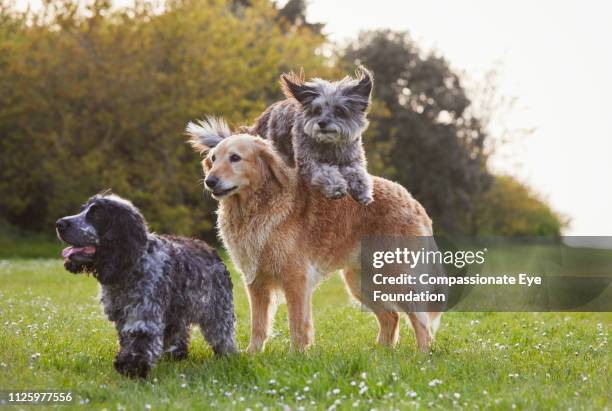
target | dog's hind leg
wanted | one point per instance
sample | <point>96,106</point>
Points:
<point>176,340</point>
<point>263,308</point>
<point>220,334</point>
<point>388,321</point>
<point>435,318</point>
<point>421,324</point>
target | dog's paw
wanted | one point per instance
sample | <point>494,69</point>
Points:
<point>335,192</point>
<point>362,197</point>
<point>338,194</point>
<point>365,200</point>
<point>132,365</point>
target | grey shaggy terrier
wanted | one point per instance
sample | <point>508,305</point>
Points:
<point>320,125</point>
<point>153,287</point>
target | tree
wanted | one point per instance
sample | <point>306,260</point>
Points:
<point>511,209</point>
<point>95,99</point>
<point>421,128</point>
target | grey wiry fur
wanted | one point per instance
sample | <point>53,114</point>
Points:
<point>153,287</point>
<point>319,125</point>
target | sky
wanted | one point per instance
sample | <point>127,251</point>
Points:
<point>554,57</point>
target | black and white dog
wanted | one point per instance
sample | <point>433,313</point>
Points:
<point>153,286</point>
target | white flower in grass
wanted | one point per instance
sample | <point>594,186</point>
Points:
<point>434,382</point>
<point>147,406</point>
<point>457,395</point>
<point>411,394</point>
<point>353,383</point>
<point>363,390</point>
<point>306,388</point>
<point>336,391</point>
<point>184,385</point>
<point>364,375</point>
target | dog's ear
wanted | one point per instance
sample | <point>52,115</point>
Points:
<point>122,243</point>
<point>294,87</point>
<point>362,91</point>
<point>206,134</point>
<point>272,165</point>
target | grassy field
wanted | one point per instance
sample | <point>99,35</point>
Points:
<point>54,337</point>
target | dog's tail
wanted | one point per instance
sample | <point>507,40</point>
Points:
<point>206,134</point>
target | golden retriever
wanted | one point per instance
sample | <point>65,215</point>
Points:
<point>285,236</point>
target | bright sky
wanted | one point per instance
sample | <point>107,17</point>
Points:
<point>555,57</point>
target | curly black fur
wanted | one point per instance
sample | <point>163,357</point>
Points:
<point>153,287</point>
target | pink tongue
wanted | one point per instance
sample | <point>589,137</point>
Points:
<point>68,251</point>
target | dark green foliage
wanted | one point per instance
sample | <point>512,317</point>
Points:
<point>92,99</point>
<point>98,102</point>
<point>429,141</point>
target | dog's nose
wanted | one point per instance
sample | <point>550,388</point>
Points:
<point>211,181</point>
<point>322,124</point>
<point>61,224</point>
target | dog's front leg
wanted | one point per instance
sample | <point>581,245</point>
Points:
<point>141,345</point>
<point>328,179</point>
<point>298,292</point>
<point>263,308</point>
<point>359,182</point>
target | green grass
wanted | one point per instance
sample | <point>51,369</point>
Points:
<point>483,360</point>
<point>28,246</point>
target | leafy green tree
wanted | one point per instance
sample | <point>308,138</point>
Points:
<point>510,208</point>
<point>94,99</point>
<point>422,130</point>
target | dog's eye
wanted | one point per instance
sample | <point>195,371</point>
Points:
<point>339,112</point>
<point>213,158</point>
<point>234,158</point>
<point>316,110</point>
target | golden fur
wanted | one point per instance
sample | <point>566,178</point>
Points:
<point>285,236</point>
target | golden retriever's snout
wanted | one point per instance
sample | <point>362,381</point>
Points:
<point>211,182</point>
<point>218,187</point>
